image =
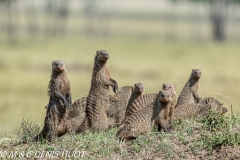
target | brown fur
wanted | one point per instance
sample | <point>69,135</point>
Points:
<point>140,103</point>
<point>59,98</point>
<point>188,111</point>
<point>142,121</point>
<point>98,97</point>
<point>120,102</point>
<point>75,115</point>
<point>169,113</point>
<point>118,105</point>
<point>138,90</point>
<point>189,94</point>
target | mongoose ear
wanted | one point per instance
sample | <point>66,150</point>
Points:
<point>97,52</point>
<point>163,85</point>
<point>64,62</point>
<point>135,85</point>
<point>53,63</point>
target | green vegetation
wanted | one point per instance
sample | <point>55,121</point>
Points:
<point>214,137</point>
<point>26,69</point>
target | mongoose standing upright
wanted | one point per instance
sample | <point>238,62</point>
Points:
<point>98,97</point>
<point>120,102</point>
<point>142,121</point>
<point>189,94</point>
<point>172,88</point>
<point>59,99</point>
<point>187,111</point>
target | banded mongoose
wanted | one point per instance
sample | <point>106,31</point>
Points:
<point>143,121</point>
<point>145,100</point>
<point>74,116</point>
<point>140,103</point>
<point>120,102</point>
<point>118,105</point>
<point>98,97</point>
<point>189,94</point>
<point>138,90</point>
<point>59,99</point>
<point>187,111</point>
<point>172,88</point>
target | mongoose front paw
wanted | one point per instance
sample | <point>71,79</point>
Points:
<point>115,86</point>
<point>66,104</point>
<point>199,100</point>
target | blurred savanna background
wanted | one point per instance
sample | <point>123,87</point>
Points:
<point>152,42</point>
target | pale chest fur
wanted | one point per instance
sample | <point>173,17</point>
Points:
<point>103,74</point>
<point>62,84</point>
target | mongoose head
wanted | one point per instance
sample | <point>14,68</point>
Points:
<point>139,87</point>
<point>214,104</point>
<point>58,66</point>
<point>165,95</point>
<point>168,86</point>
<point>196,73</point>
<point>102,55</point>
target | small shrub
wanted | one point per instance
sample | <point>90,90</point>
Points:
<point>215,121</point>
<point>28,130</point>
<point>217,130</point>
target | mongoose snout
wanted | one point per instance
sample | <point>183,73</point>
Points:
<point>103,55</point>
<point>139,87</point>
<point>197,73</point>
<point>58,66</point>
<point>165,96</point>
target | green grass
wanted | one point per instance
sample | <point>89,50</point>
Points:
<point>190,138</point>
<point>26,68</point>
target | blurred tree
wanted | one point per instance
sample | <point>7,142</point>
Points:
<point>10,28</point>
<point>32,18</point>
<point>218,15</point>
<point>90,11</point>
<point>48,18</point>
<point>62,12</point>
